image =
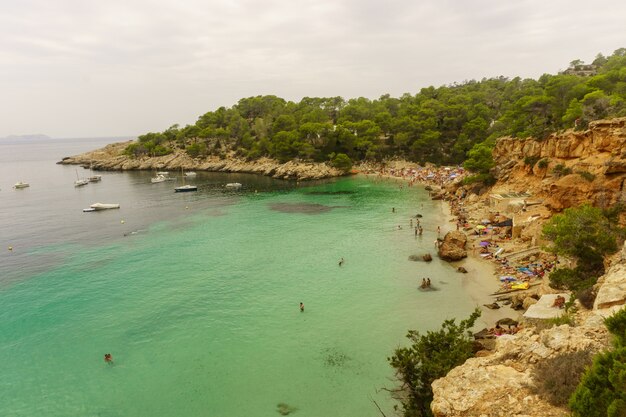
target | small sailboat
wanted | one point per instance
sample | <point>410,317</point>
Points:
<point>80,181</point>
<point>185,187</point>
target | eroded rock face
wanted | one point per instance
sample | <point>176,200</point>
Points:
<point>596,158</point>
<point>612,289</point>
<point>453,246</point>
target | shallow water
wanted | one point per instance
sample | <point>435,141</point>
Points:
<point>196,295</point>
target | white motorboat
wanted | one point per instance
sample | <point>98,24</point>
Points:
<point>95,178</point>
<point>157,179</point>
<point>104,206</point>
<point>233,185</point>
<point>19,185</point>
<point>190,174</point>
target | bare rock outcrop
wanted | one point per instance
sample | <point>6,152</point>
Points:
<point>453,246</point>
<point>576,166</point>
<point>501,384</point>
<point>612,287</point>
<point>112,158</point>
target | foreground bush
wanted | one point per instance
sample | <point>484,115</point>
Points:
<point>557,378</point>
<point>430,357</point>
<point>602,390</point>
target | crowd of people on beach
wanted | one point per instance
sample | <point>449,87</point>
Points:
<point>489,238</point>
<point>430,175</point>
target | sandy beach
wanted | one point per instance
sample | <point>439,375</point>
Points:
<point>480,280</point>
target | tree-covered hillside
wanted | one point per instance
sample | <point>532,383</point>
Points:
<point>439,125</point>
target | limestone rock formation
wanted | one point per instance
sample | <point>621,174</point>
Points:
<point>594,162</point>
<point>612,287</point>
<point>499,384</point>
<point>112,158</point>
<point>453,246</point>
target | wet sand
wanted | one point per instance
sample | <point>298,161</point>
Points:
<point>480,280</point>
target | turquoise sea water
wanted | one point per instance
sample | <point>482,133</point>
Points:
<point>198,303</point>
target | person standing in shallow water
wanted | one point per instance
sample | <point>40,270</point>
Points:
<point>301,307</point>
<point>341,262</point>
<point>108,358</point>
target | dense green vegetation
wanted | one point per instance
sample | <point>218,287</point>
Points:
<point>438,124</point>
<point>429,357</point>
<point>587,234</point>
<point>602,390</point>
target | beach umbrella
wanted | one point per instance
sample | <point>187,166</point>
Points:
<point>484,244</point>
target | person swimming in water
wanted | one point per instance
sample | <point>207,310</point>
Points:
<point>108,358</point>
<point>341,261</point>
<point>301,307</point>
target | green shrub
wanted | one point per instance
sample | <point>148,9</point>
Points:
<point>160,150</point>
<point>602,390</point>
<point>571,279</point>
<point>134,149</point>
<point>617,326</point>
<point>586,296</point>
<point>342,162</point>
<point>587,175</point>
<point>586,234</point>
<point>543,164</point>
<point>562,319</point>
<point>557,378</point>
<point>196,149</point>
<point>429,357</point>
<point>561,170</point>
<point>531,160</point>
<point>486,179</point>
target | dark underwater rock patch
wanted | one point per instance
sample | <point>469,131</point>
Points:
<point>306,208</point>
<point>330,192</point>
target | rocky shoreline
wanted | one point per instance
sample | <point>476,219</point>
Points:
<point>112,158</point>
<point>506,379</point>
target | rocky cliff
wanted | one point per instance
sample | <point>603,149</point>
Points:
<point>112,157</point>
<point>567,168</point>
<point>504,382</point>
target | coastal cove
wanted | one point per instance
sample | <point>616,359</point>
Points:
<point>196,296</point>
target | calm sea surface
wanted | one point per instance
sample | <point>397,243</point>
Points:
<point>196,294</point>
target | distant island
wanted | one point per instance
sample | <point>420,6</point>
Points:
<point>26,137</point>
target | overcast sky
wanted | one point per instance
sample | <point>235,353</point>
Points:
<point>83,68</point>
